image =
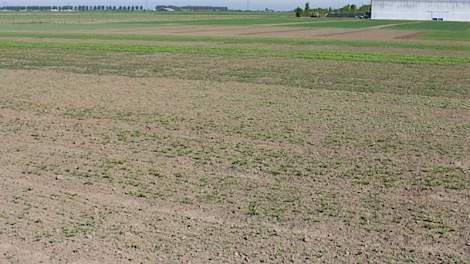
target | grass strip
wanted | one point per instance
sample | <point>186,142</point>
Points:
<point>447,35</point>
<point>434,26</point>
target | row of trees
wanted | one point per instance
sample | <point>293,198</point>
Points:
<point>108,8</point>
<point>320,12</point>
<point>73,8</point>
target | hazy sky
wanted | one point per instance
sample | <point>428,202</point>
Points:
<point>234,4</point>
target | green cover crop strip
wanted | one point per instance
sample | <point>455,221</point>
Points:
<point>302,54</point>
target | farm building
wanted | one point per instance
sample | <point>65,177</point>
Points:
<point>451,10</point>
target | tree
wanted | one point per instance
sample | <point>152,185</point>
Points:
<point>307,7</point>
<point>364,8</point>
<point>298,12</point>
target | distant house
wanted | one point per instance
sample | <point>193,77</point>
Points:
<point>451,10</point>
<point>165,8</point>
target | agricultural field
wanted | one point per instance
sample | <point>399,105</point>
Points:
<point>233,138</point>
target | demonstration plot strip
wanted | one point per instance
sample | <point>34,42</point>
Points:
<point>351,23</point>
<point>434,80</point>
<point>242,40</point>
<point>457,31</point>
<point>300,54</point>
<point>447,35</point>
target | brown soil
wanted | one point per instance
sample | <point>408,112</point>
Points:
<point>378,33</point>
<point>227,31</point>
<point>113,169</point>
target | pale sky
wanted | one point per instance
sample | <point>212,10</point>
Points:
<point>233,4</point>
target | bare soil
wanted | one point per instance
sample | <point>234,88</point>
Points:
<point>115,169</point>
<point>267,31</point>
<point>122,157</point>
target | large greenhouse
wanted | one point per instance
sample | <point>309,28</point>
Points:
<point>450,10</point>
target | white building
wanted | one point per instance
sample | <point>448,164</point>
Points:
<point>450,10</point>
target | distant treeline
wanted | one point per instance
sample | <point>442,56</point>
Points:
<point>111,8</point>
<point>190,8</point>
<point>72,8</point>
<point>345,11</point>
